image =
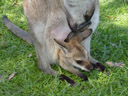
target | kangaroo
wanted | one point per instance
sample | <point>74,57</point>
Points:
<point>61,32</point>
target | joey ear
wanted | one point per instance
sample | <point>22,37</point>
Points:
<point>62,43</point>
<point>84,35</point>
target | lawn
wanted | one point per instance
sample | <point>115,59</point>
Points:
<point>109,43</point>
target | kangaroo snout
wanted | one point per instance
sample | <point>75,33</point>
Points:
<point>89,67</point>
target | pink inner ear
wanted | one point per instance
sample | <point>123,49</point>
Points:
<point>60,32</point>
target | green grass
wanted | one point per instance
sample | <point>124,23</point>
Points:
<point>30,81</point>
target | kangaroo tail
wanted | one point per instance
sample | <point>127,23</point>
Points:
<point>17,31</point>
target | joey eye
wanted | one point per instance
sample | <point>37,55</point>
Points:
<point>79,62</point>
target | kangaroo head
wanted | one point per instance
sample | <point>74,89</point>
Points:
<point>74,54</point>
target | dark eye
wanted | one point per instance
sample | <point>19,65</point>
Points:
<point>79,62</point>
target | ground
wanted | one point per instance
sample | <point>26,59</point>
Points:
<point>109,43</point>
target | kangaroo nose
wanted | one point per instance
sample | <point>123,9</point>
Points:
<point>89,67</point>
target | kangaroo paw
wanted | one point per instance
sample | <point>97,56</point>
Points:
<point>69,80</point>
<point>102,68</point>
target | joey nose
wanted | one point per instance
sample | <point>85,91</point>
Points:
<point>89,67</point>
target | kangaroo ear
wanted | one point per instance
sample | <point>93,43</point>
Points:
<point>62,44</point>
<point>84,35</point>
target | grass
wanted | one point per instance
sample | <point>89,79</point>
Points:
<point>109,43</point>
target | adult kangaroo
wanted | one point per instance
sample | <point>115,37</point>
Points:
<point>61,32</point>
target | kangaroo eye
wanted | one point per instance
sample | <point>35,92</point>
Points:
<point>79,62</point>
